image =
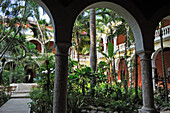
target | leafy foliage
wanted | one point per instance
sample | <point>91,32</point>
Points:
<point>4,98</point>
<point>42,97</point>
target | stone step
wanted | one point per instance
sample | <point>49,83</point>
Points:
<point>20,95</point>
<point>23,91</point>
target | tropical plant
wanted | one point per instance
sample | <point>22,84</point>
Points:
<point>75,103</point>
<point>93,54</point>
<point>4,97</point>
<point>12,19</point>
<point>110,59</point>
<point>42,97</point>
<point>81,40</point>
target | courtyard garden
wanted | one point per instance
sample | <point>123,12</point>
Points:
<point>27,54</point>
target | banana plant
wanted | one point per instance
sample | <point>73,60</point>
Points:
<point>110,59</point>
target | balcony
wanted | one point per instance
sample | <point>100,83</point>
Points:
<point>121,47</point>
<point>165,32</point>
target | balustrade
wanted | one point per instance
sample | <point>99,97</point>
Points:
<point>165,32</point>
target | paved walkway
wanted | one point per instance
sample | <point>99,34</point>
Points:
<point>19,100</point>
<point>18,105</point>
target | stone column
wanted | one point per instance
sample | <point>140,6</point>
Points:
<point>147,85</point>
<point>60,80</point>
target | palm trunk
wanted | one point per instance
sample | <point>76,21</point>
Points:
<point>163,67</point>
<point>77,46</point>
<point>110,73</point>
<point>1,79</point>
<point>124,64</point>
<point>93,56</point>
<point>113,69</point>
<point>136,75</point>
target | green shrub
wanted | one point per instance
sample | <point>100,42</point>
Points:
<point>41,101</point>
<point>3,98</point>
<point>75,103</point>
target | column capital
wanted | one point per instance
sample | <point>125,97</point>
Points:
<point>62,49</point>
<point>145,55</point>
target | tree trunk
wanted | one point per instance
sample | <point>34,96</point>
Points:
<point>136,75</point>
<point>110,73</point>
<point>3,63</point>
<point>124,65</point>
<point>1,80</point>
<point>77,47</point>
<point>163,68</point>
<point>114,71</point>
<point>93,56</point>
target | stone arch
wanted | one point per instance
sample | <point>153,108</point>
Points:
<point>50,46</point>
<point>39,47</point>
<point>10,62</point>
<point>153,57</point>
<point>157,64</point>
<point>127,16</point>
<point>160,14</point>
<point>47,10</point>
<point>31,70</point>
<point>29,39</point>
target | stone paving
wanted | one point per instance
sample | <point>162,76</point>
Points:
<point>18,105</point>
<point>19,99</point>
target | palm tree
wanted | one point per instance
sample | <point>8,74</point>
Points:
<point>110,59</point>
<point>43,34</point>
<point>163,64</point>
<point>9,33</point>
<point>136,75</point>
<point>93,55</point>
<point>81,35</point>
<point>114,26</point>
<point>13,15</point>
<point>124,29</point>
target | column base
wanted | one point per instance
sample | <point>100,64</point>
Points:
<point>148,110</point>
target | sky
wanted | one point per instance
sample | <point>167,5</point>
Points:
<point>45,16</point>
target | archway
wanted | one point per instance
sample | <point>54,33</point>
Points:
<point>158,66</point>
<point>37,43</point>
<point>133,26</point>
<point>8,68</point>
<point>50,46</point>
<point>127,16</point>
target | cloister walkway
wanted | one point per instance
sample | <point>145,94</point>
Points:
<point>16,105</point>
<point>19,99</point>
